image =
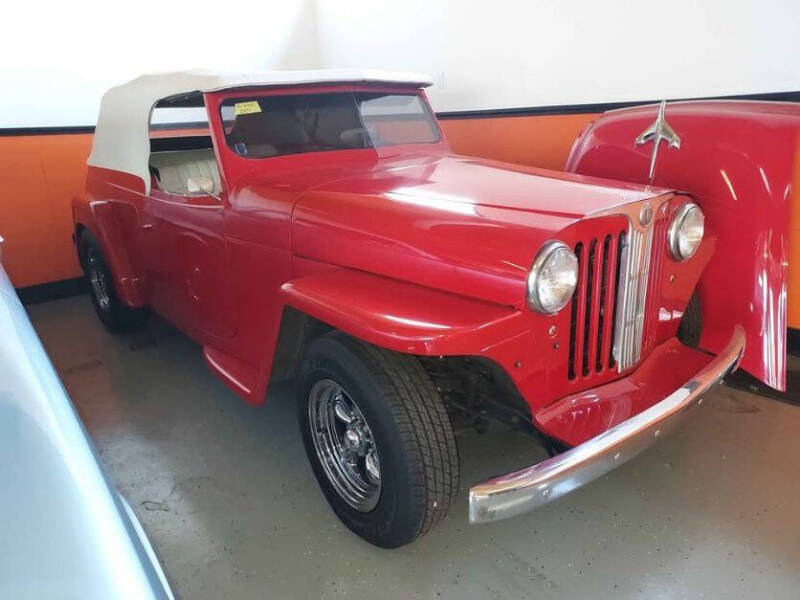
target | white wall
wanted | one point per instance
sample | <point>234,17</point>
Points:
<point>57,58</point>
<point>501,53</point>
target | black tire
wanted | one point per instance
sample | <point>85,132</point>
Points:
<point>418,458</point>
<point>691,326</point>
<point>116,316</point>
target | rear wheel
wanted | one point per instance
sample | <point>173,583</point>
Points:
<point>116,316</point>
<point>378,438</point>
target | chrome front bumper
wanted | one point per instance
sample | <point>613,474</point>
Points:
<point>509,495</point>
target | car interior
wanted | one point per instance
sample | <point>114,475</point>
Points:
<point>180,146</point>
<point>172,169</point>
<point>294,124</point>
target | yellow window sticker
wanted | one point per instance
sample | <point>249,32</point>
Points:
<point>246,108</point>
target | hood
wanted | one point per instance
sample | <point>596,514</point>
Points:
<point>466,225</point>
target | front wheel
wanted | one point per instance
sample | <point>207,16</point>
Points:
<point>378,438</point>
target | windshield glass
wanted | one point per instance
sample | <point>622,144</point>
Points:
<point>263,126</point>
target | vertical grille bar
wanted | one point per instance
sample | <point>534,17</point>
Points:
<point>622,244</point>
<point>590,278</point>
<point>596,306</point>
<point>656,277</point>
<point>642,284</point>
<point>580,316</point>
<point>573,322</point>
<point>610,277</point>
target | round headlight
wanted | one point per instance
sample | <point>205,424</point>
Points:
<point>686,231</point>
<point>553,278</point>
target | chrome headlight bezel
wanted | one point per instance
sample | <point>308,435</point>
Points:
<point>676,231</point>
<point>548,252</point>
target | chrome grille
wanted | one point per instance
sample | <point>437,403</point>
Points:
<point>614,308</point>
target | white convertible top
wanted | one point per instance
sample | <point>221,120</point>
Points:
<point>122,138</point>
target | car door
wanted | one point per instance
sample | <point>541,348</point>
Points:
<point>186,252</point>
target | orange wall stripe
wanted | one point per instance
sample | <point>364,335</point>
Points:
<point>40,175</point>
<point>538,140</point>
<point>178,132</point>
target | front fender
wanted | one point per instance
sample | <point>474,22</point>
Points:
<point>736,160</point>
<point>392,314</point>
<point>398,315</point>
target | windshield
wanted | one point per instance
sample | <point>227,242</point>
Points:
<point>263,126</point>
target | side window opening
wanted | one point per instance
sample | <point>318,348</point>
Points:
<point>180,145</point>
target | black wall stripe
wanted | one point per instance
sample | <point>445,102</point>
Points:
<point>44,292</point>
<point>575,109</point>
<point>17,131</point>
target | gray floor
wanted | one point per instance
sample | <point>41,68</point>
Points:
<point>228,499</point>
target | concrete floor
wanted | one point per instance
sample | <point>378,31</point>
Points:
<point>231,505</point>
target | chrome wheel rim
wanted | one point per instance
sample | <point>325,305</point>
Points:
<point>344,444</point>
<point>98,279</point>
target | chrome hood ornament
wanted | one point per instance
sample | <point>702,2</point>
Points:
<point>659,130</point>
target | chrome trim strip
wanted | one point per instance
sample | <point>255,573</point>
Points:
<point>635,265</point>
<point>633,300</point>
<point>625,299</point>
<point>515,493</point>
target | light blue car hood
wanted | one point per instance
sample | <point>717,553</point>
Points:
<point>66,533</point>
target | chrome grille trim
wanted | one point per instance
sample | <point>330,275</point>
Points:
<point>632,298</point>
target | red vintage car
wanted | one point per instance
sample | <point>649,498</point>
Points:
<point>316,225</point>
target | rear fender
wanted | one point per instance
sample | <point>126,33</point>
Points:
<point>738,167</point>
<point>98,217</point>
